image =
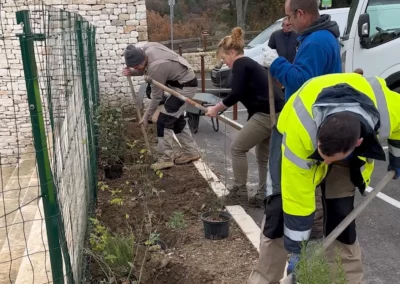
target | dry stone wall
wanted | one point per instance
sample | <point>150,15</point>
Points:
<point>118,22</point>
<point>194,59</point>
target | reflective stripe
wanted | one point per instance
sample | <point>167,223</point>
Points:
<point>301,163</point>
<point>306,119</point>
<point>297,236</point>
<point>394,151</point>
<point>362,168</point>
<point>384,129</point>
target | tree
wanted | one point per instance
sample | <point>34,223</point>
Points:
<point>241,9</point>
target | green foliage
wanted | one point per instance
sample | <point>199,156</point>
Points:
<point>153,239</point>
<point>313,267</point>
<point>111,129</point>
<point>177,221</point>
<point>115,250</point>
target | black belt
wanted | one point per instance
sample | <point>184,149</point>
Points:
<point>176,84</point>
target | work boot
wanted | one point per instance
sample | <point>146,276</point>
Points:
<point>187,158</point>
<point>161,165</point>
<point>256,200</point>
<point>236,191</point>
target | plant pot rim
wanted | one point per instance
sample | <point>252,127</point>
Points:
<point>226,214</point>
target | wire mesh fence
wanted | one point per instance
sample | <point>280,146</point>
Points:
<point>48,140</point>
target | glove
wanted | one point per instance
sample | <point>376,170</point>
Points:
<point>397,170</point>
<point>293,260</point>
<point>269,55</point>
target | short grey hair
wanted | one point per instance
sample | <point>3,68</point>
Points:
<point>309,6</point>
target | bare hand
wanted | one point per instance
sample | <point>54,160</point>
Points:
<point>212,111</point>
<point>126,71</point>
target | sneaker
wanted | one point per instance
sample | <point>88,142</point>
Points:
<point>161,165</point>
<point>187,158</point>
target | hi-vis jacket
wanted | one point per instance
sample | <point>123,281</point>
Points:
<point>294,170</point>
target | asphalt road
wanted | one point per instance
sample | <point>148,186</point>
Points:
<point>378,227</point>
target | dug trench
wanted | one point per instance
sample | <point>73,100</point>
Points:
<point>162,210</point>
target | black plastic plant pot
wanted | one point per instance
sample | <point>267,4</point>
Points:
<point>114,171</point>
<point>216,224</point>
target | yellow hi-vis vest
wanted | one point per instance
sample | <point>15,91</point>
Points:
<point>300,175</point>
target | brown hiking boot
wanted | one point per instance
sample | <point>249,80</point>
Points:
<point>187,158</point>
<point>161,165</point>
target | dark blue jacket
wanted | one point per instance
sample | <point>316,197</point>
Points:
<point>318,54</point>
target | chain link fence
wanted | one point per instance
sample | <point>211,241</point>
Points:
<point>49,93</point>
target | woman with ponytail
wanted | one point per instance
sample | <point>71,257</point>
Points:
<point>250,87</point>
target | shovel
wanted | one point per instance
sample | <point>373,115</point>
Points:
<point>191,102</point>
<point>139,115</point>
<point>353,215</point>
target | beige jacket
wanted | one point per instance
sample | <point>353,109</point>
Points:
<point>163,65</point>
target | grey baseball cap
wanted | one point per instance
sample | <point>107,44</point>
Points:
<point>133,56</point>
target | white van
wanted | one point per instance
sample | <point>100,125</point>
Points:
<point>221,77</point>
<point>371,40</point>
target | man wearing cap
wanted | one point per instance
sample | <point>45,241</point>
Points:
<point>172,70</point>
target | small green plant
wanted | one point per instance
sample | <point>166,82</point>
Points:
<point>115,250</point>
<point>117,201</point>
<point>313,267</point>
<point>177,221</point>
<point>111,125</point>
<point>153,239</point>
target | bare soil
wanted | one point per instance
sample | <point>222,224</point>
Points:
<point>149,204</point>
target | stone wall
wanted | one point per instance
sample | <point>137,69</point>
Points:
<point>195,60</point>
<point>118,22</point>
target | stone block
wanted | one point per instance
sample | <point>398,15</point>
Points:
<point>87,2</point>
<point>132,23</point>
<point>124,17</point>
<point>141,29</point>
<point>113,17</point>
<point>141,8</point>
<point>133,40</point>
<point>111,6</point>
<point>72,7</point>
<point>111,40</point>
<point>134,34</point>
<point>97,7</point>
<point>104,17</point>
<point>131,9</point>
<point>123,40</point>
<point>117,23</point>
<point>100,23</point>
<point>128,29</point>
<point>85,7</point>
<point>143,36</point>
<point>117,11</point>
<point>94,13</point>
<point>110,29</point>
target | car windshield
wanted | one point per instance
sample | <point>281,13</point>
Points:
<point>265,35</point>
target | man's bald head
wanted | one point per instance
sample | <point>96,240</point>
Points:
<point>301,13</point>
<point>308,6</point>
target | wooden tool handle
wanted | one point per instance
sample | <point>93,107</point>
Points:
<point>139,115</point>
<point>191,102</point>
<point>271,99</point>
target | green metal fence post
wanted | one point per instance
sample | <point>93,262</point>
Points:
<point>91,150</point>
<point>93,75</point>
<point>49,197</point>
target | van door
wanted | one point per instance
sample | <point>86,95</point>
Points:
<point>380,50</point>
